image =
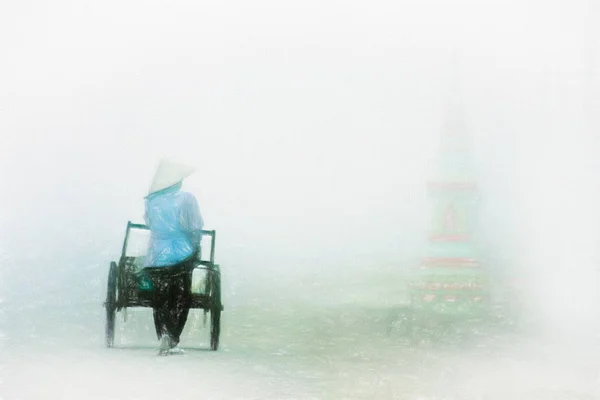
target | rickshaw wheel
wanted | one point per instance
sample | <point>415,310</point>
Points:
<point>111,304</point>
<point>215,328</point>
<point>215,312</point>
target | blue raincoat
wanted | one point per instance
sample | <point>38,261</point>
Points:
<point>175,223</point>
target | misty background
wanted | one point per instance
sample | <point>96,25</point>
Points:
<point>313,126</point>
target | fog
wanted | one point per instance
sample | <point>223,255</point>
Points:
<point>314,127</point>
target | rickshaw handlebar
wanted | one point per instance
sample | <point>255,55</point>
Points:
<point>131,225</point>
<point>212,234</point>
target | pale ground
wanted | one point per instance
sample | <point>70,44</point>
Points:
<point>279,345</point>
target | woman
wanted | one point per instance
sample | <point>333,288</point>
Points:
<point>175,223</point>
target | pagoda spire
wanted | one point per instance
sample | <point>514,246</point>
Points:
<point>452,187</point>
<point>455,110</point>
<point>454,166</point>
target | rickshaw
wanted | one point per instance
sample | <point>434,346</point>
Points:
<point>128,286</point>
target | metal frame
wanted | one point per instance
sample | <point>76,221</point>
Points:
<point>204,301</point>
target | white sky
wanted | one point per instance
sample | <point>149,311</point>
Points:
<point>311,123</point>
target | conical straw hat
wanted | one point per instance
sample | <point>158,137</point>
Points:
<point>168,174</point>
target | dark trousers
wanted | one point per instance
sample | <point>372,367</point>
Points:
<point>172,298</point>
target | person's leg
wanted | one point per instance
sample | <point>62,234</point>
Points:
<point>160,304</point>
<point>170,317</point>
<point>179,300</point>
<point>158,322</point>
<point>183,299</point>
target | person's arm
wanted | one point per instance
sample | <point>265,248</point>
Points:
<point>192,221</point>
<point>146,215</point>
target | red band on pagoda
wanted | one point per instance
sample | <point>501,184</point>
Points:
<point>449,238</point>
<point>450,262</point>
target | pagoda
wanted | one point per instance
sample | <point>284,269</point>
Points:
<point>450,279</point>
